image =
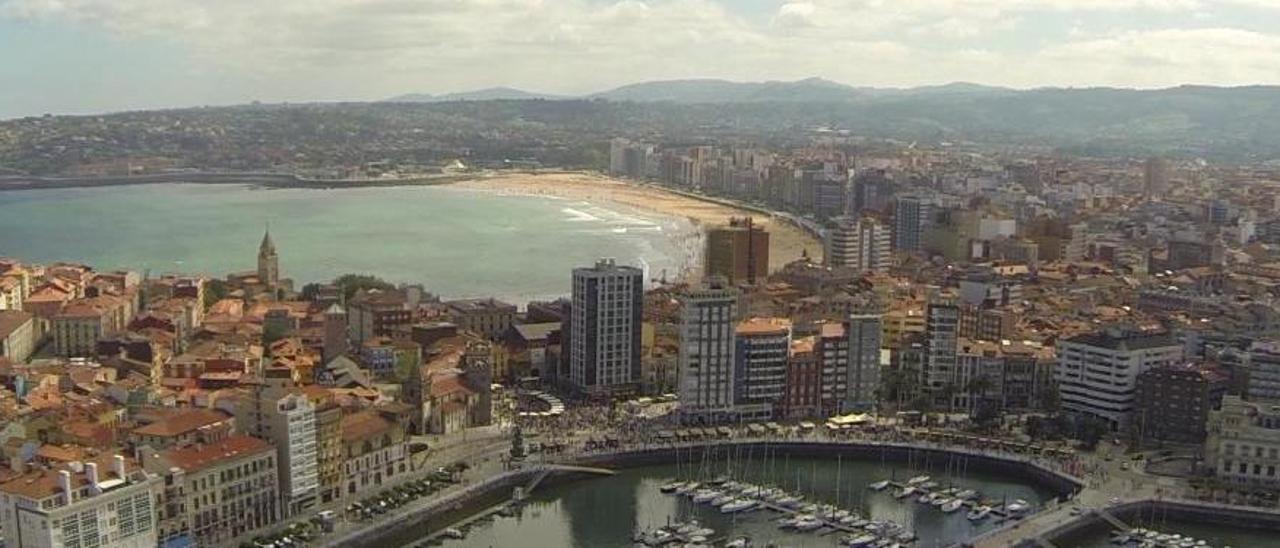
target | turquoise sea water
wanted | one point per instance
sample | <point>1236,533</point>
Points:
<point>458,242</point>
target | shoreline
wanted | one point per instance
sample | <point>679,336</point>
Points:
<point>789,238</point>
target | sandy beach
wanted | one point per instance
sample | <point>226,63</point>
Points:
<point>786,242</point>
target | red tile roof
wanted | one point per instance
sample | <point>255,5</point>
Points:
<point>199,457</point>
<point>364,425</point>
<point>182,422</point>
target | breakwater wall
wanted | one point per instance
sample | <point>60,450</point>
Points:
<point>1139,513</point>
<point>431,516</point>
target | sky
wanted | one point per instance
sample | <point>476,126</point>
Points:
<point>89,56</point>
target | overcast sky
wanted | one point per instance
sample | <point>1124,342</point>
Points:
<point>76,56</point>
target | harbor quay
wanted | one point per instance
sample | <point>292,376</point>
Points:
<point>1078,505</point>
<point>486,496</point>
<point>925,454</point>
<point>1120,517</point>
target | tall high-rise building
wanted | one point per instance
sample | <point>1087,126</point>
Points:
<point>738,252</point>
<point>605,321</point>
<point>1097,373</point>
<point>1155,177</point>
<point>912,216</point>
<point>862,378</point>
<point>708,317</point>
<point>760,376</point>
<point>863,243</point>
<point>618,156</point>
<point>1263,366</point>
<point>268,262</point>
<point>872,191</point>
<point>941,334</point>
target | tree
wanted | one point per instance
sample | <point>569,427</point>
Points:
<point>349,284</point>
<point>977,388</point>
<point>1090,431</point>
<point>1050,401</point>
<point>309,291</point>
<point>215,290</point>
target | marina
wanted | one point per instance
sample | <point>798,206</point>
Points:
<point>612,512</point>
<point>1149,538</point>
<point>798,514</point>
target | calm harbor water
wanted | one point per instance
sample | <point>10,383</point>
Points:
<point>459,243</point>
<point>604,512</point>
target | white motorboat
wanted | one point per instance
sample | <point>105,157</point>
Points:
<point>808,523</point>
<point>861,541</point>
<point>967,494</point>
<point>704,496</point>
<point>789,502</point>
<point>952,505</point>
<point>722,500</point>
<point>917,480</point>
<point>940,500</point>
<point>1017,507</point>
<point>905,492</point>
<point>879,485</point>
<point>738,505</point>
<point>979,513</point>
<point>671,487</point>
<point>740,542</point>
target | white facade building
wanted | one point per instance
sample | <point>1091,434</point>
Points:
<point>287,418</point>
<point>81,505</point>
<point>1243,446</point>
<point>707,343</point>
<point>863,243</point>
<point>1097,373</point>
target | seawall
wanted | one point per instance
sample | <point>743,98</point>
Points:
<point>1173,511</point>
<point>440,513</point>
<point>1022,469</point>
<point>437,514</point>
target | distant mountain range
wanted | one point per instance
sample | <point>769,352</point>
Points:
<point>809,90</point>
<point>487,94</point>
<point>1237,122</point>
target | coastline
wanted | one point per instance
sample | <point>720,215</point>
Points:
<point>787,242</point>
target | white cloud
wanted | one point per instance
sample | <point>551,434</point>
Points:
<point>1168,58</point>
<point>304,49</point>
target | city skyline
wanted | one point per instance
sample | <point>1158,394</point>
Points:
<point>88,56</point>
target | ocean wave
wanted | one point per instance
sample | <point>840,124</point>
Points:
<point>579,216</point>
